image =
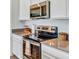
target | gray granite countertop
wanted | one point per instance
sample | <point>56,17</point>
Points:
<point>55,43</point>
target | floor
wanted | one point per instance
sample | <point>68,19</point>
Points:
<point>13,57</point>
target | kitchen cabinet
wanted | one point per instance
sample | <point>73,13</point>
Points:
<point>42,0</point>
<point>17,46</point>
<point>47,56</point>
<point>67,4</point>
<point>34,2</point>
<point>24,10</point>
<point>59,9</point>
<point>53,53</point>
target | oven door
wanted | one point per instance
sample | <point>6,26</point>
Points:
<point>35,50</point>
<point>26,48</point>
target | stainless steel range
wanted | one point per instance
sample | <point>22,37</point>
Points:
<point>33,43</point>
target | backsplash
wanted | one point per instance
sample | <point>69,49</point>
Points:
<point>37,22</point>
<point>63,25</point>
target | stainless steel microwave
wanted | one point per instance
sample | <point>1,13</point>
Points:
<point>40,10</point>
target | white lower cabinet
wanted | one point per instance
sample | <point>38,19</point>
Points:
<point>47,56</point>
<point>17,46</point>
<point>53,53</point>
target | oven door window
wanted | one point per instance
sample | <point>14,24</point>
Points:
<point>35,51</point>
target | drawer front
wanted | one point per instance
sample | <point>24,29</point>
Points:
<point>47,56</point>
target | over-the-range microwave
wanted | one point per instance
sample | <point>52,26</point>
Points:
<point>40,10</point>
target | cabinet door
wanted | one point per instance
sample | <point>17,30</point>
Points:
<point>34,2</point>
<point>27,9</point>
<point>18,46</point>
<point>24,10</point>
<point>67,4</point>
<point>42,0</point>
<point>58,8</point>
<point>54,52</point>
<point>47,56</point>
<point>20,49</point>
<point>14,47</point>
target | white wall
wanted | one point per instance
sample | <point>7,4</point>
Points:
<point>63,25</point>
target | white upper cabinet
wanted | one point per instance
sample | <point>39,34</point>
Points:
<point>34,2</point>
<point>67,4</point>
<point>59,9</point>
<point>43,0</point>
<point>24,10</point>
